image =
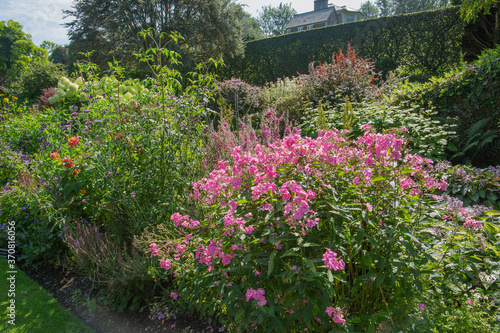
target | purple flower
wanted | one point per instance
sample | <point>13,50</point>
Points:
<point>132,195</point>
<point>422,307</point>
<point>74,114</point>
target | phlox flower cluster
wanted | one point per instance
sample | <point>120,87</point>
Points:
<point>206,254</point>
<point>257,295</point>
<point>336,314</point>
<point>332,261</point>
<point>183,221</point>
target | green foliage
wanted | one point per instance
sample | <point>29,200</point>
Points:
<point>38,75</point>
<point>429,137</point>
<point>273,20</point>
<point>210,28</point>
<point>17,51</point>
<point>250,28</point>
<point>468,94</point>
<point>429,41</point>
<point>346,76</point>
<point>242,98</point>
<point>470,9</point>
<point>472,186</point>
<point>369,10</point>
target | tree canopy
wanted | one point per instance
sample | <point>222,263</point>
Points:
<point>111,28</point>
<point>395,7</point>
<point>273,20</point>
<point>17,50</point>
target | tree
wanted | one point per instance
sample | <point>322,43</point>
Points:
<point>369,10</point>
<point>471,9</point>
<point>17,50</point>
<point>484,30</point>
<point>385,7</point>
<point>210,27</point>
<point>273,20</point>
<point>395,7</point>
<point>250,28</point>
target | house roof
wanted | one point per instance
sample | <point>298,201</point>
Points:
<point>310,17</point>
<point>317,16</point>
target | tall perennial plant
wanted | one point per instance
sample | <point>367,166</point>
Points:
<point>304,233</point>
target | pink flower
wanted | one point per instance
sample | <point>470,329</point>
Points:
<point>369,207</point>
<point>154,250</point>
<point>422,307</point>
<point>332,262</point>
<point>356,181</point>
<point>174,295</point>
<point>257,295</point>
<point>249,230</point>
<point>339,319</point>
<point>165,264</point>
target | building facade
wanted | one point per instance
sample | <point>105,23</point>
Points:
<point>323,15</point>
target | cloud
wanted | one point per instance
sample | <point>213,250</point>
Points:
<point>40,18</point>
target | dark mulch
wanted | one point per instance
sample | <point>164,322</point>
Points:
<point>71,290</point>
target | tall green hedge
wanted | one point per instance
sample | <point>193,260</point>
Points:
<point>428,41</point>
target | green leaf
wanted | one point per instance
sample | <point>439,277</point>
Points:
<point>380,280</point>
<point>270,266</point>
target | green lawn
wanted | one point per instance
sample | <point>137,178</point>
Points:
<point>35,309</point>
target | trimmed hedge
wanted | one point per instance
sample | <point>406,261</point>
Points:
<point>426,41</point>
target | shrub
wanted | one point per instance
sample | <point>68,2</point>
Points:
<point>301,229</point>
<point>427,137</point>
<point>469,94</point>
<point>347,75</point>
<point>240,97</point>
<point>33,79</point>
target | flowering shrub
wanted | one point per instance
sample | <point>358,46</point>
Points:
<point>346,75</point>
<point>303,226</point>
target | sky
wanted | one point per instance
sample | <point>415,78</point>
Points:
<point>43,19</point>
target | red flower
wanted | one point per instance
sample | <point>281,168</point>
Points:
<point>67,163</point>
<point>73,141</point>
<point>54,155</point>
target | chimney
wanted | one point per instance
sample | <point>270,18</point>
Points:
<point>320,4</point>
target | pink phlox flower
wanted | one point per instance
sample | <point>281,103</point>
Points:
<point>311,194</point>
<point>278,245</point>
<point>257,295</point>
<point>473,224</point>
<point>356,181</point>
<point>174,295</point>
<point>336,315</point>
<point>165,264</point>
<point>404,129</point>
<point>262,188</point>
<point>422,307</point>
<point>332,262</point>
<point>339,319</point>
<point>249,230</point>
<point>154,250</point>
<point>235,182</point>
<point>311,223</point>
<point>301,210</point>
<point>369,207</point>
<point>266,206</point>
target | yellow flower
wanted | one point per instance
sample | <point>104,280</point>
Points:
<point>14,97</point>
<point>5,100</point>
